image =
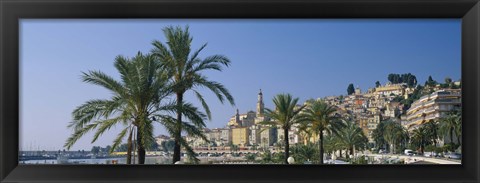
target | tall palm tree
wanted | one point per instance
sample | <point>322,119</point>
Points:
<point>378,134</point>
<point>137,97</point>
<point>285,115</point>
<point>458,125</point>
<point>449,125</point>
<point>431,130</point>
<point>332,143</point>
<point>185,71</point>
<point>394,134</point>
<point>352,136</point>
<point>419,138</point>
<point>321,118</point>
<point>458,128</point>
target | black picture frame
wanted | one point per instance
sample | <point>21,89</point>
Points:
<point>13,10</point>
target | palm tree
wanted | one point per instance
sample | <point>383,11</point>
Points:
<point>419,138</point>
<point>458,125</point>
<point>250,157</point>
<point>458,128</point>
<point>332,143</point>
<point>136,99</point>
<point>185,74</point>
<point>303,153</point>
<point>352,136</point>
<point>266,157</point>
<point>320,118</point>
<point>431,130</point>
<point>284,115</point>
<point>450,125</point>
<point>305,132</point>
<point>394,134</point>
<point>378,134</point>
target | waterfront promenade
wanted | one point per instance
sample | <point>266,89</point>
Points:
<point>412,159</point>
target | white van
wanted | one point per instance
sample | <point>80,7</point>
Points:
<point>409,152</point>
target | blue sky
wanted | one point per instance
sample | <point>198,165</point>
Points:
<point>307,58</point>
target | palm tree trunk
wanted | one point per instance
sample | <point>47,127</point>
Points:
<point>422,147</point>
<point>129,147</point>
<point>321,146</point>
<point>287,145</point>
<point>451,136</point>
<point>178,133</point>
<point>140,149</point>
<point>458,138</point>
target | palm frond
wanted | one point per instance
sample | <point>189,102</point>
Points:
<point>104,126</point>
<point>102,79</point>
<point>78,134</point>
<point>91,110</point>
<point>118,140</point>
<point>204,104</point>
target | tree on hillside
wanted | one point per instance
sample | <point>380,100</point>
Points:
<point>408,78</point>
<point>430,82</point>
<point>411,80</point>
<point>377,84</point>
<point>448,80</point>
<point>350,89</point>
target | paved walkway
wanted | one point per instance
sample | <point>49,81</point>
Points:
<point>418,158</point>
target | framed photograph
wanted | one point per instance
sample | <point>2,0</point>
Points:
<point>257,91</point>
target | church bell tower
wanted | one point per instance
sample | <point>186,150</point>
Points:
<point>260,109</point>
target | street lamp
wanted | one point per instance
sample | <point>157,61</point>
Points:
<point>290,160</point>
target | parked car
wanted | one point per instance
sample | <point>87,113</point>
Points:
<point>409,152</point>
<point>454,156</point>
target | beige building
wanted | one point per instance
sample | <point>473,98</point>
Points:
<point>388,89</point>
<point>240,136</point>
<point>432,107</point>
